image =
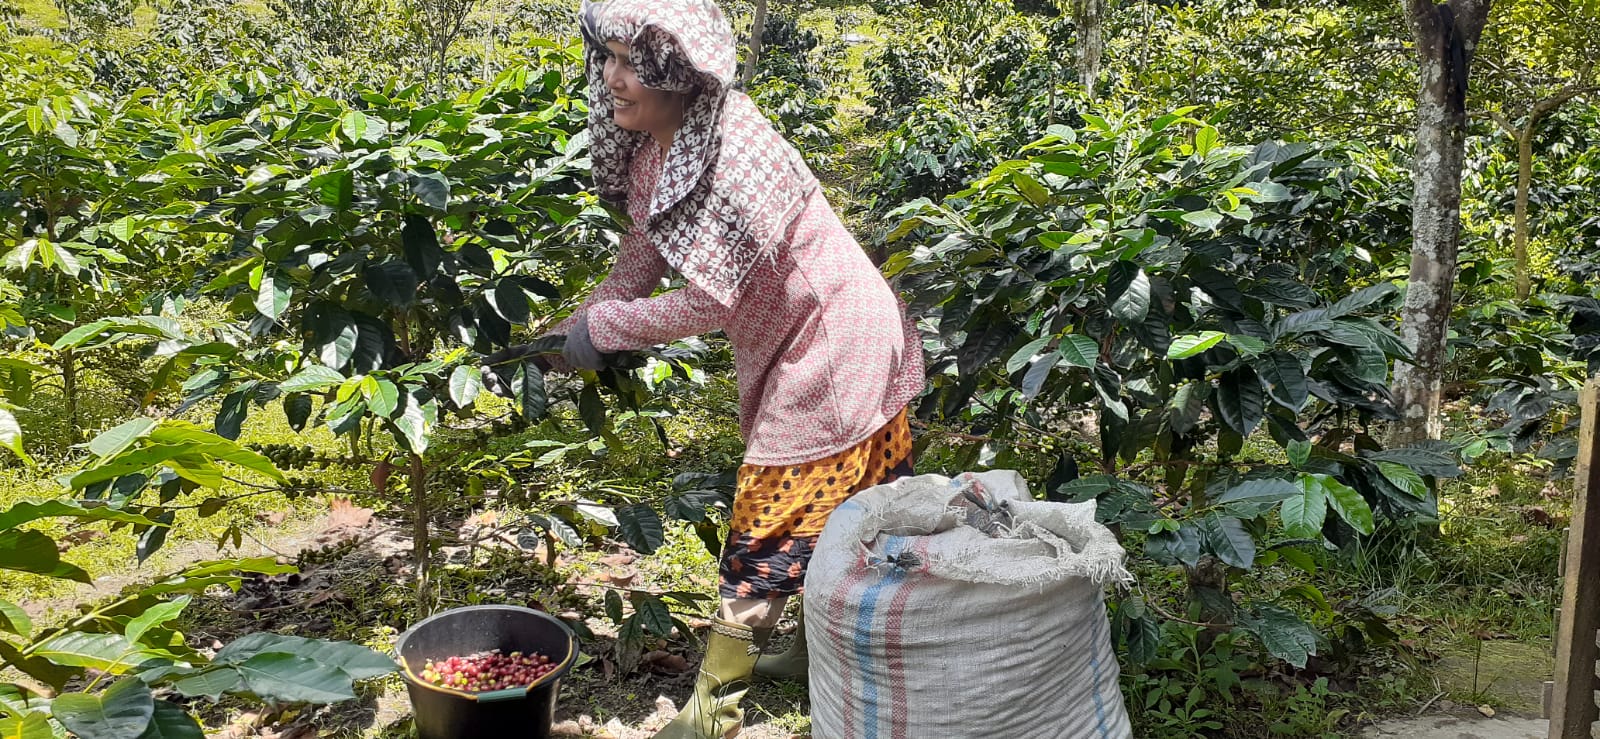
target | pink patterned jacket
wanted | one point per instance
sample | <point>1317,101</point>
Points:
<point>822,349</point>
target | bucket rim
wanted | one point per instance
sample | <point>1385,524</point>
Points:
<point>560,670</point>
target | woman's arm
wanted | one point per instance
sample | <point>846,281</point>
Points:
<point>622,325</point>
<point>636,274</point>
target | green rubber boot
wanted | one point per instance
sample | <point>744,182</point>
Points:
<point>713,712</point>
<point>791,664</point>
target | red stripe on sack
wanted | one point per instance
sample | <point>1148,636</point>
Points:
<point>835,628</point>
<point>895,649</point>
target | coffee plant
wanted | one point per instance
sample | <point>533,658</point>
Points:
<point>1140,272</point>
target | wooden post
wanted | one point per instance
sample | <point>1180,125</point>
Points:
<point>1572,709</point>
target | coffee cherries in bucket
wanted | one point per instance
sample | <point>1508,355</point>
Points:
<point>485,671</point>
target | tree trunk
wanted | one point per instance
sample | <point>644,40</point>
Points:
<point>1088,15</point>
<point>69,389</point>
<point>758,27</point>
<point>1446,35</point>
<point>1519,242</point>
<point>419,532</point>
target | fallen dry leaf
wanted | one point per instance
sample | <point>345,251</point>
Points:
<point>343,514</point>
<point>1486,711</point>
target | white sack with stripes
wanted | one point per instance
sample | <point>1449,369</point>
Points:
<point>940,608</point>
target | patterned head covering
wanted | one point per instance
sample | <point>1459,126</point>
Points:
<point>730,183</point>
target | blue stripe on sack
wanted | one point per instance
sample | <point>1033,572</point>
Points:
<point>1094,664</point>
<point>864,634</point>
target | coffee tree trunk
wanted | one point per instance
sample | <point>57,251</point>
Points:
<point>69,391</point>
<point>758,27</point>
<point>419,531</point>
<point>1446,35</point>
<point>1089,16</point>
<point>1524,138</point>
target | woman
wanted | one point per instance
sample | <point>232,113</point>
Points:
<point>825,359</point>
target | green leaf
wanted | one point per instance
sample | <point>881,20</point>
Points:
<point>1206,140</point>
<point>354,660</point>
<point>432,189</point>
<point>313,377</point>
<point>32,551</point>
<point>79,336</point>
<point>592,410</point>
<point>1285,380</point>
<point>1299,453</point>
<point>1240,401</point>
<point>421,245</point>
<point>65,132</point>
<point>1207,219</point>
<point>210,683</point>
<point>27,511</point>
<point>1190,345</point>
<point>531,392</point>
<point>235,407</point>
<point>1022,356</point>
<point>1349,503</point>
<point>154,616</point>
<point>103,652</point>
<point>1421,461</point>
<point>614,606</point>
<point>509,301</point>
<point>1128,289</point>
<point>465,385</point>
<point>1186,406</point>
<point>1303,516</point>
<point>355,125</point>
<point>1079,351</point>
<point>1034,380</point>
<point>273,297</point>
<point>1283,634</point>
<point>123,711</point>
<point>384,398</point>
<point>1228,539</point>
<point>341,337</point>
<point>1361,299</point>
<point>1259,491</point>
<point>1249,346</point>
<point>155,537</point>
<point>117,439</point>
<point>393,282</point>
<point>15,620</point>
<point>416,421</point>
<point>297,409</point>
<point>335,189</point>
<point>653,614</point>
<point>1404,478</point>
<point>172,722</point>
<point>33,725</point>
<point>289,678</point>
<point>11,435</point>
<point>641,528</point>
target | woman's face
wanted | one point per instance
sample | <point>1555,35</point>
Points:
<point>636,107</point>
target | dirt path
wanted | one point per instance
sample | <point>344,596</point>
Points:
<point>1462,727</point>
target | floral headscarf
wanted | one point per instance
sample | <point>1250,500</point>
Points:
<point>730,184</point>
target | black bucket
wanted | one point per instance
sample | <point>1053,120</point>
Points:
<point>444,713</point>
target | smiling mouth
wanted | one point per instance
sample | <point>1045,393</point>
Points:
<point>620,103</point>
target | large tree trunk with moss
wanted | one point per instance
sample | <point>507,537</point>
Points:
<point>1089,18</point>
<point>1446,35</point>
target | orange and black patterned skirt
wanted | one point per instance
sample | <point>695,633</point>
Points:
<point>779,511</point>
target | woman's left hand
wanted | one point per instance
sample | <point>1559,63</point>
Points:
<point>579,351</point>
